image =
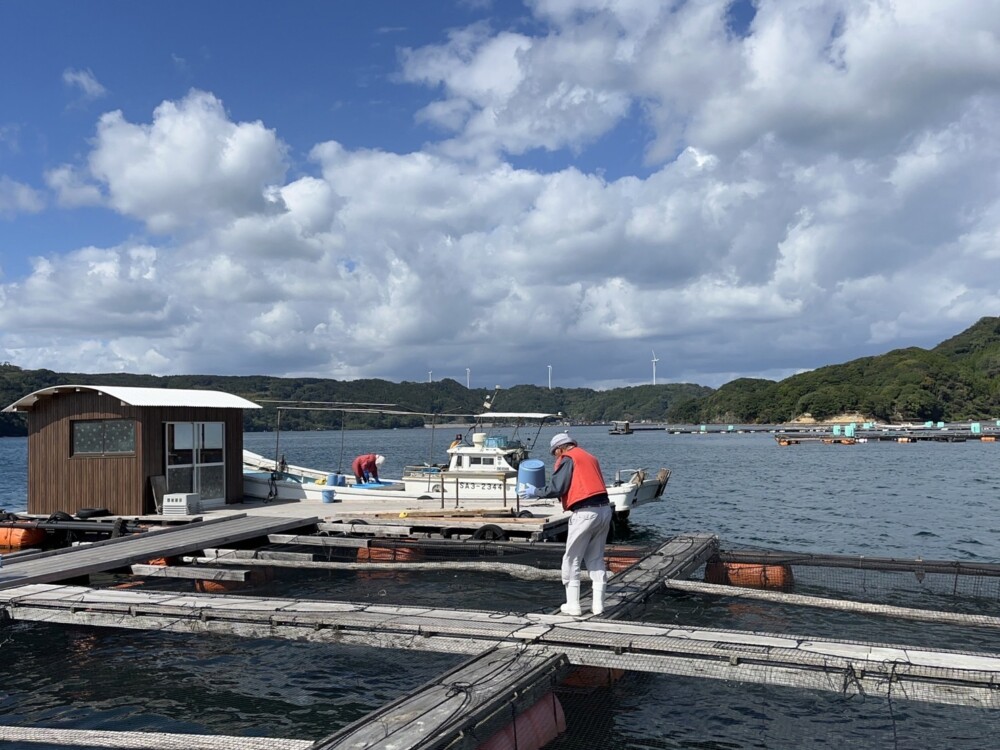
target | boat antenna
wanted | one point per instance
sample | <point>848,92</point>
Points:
<point>488,403</point>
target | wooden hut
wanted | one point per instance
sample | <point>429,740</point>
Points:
<point>95,446</point>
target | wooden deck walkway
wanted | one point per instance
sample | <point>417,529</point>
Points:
<point>777,659</point>
<point>535,650</point>
<point>72,562</point>
<point>628,591</point>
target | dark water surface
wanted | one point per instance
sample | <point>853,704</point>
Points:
<point>929,500</point>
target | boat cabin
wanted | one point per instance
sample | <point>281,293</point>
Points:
<point>123,448</point>
<point>487,464</point>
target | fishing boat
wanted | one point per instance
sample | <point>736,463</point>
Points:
<point>482,473</point>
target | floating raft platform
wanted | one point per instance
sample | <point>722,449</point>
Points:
<point>535,649</point>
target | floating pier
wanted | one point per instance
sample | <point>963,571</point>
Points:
<point>515,660</point>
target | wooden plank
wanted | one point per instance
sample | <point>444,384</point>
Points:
<point>36,554</point>
<point>76,738</point>
<point>318,541</point>
<point>365,528</point>
<point>248,556</point>
<point>191,572</point>
<point>306,560</point>
<point>78,561</point>
<point>628,591</point>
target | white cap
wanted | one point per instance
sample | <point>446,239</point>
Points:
<point>560,440</point>
<point>379,460</point>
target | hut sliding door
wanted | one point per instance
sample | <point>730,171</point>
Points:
<point>196,460</point>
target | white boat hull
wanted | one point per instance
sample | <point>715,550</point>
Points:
<point>630,490</point>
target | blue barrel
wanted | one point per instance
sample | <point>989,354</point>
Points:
<point>531,471</point>
<point>328,496</point>
<point>335,480</point>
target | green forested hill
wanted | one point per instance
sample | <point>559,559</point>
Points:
<point>443,398</point>
<point>956,380</point>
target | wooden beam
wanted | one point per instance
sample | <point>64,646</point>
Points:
<point>76,738</point>
<point>191,572</point>
<point>305,560</point>
<point>84,560</point>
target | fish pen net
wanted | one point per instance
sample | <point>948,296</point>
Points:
<point>749,649</point>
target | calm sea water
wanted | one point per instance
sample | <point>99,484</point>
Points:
<point>929,500</point>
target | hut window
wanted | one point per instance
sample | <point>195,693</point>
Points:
<point>103,437</point>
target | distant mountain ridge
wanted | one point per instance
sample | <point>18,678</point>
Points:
<point>959,379</point>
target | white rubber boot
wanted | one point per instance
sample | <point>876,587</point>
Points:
<point>599,582</point>
<point>572,605</point>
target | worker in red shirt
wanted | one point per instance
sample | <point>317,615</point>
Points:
<point>579,484</point>
<point>365,467</point>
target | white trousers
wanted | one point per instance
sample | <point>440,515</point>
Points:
<point>588,533</point>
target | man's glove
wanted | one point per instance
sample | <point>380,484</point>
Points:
<point>527,491</point>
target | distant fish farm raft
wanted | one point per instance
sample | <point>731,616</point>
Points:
<point>536,674</point>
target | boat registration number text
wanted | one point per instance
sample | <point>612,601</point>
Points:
<point>480,486</point>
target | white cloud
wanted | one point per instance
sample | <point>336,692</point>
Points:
<point>71,187</point>
<point>820,188</point>
<point>85,81</point>
<point>190,166</point>
<point>18,198</point>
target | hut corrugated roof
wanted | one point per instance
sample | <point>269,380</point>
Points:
<point>182,397</point>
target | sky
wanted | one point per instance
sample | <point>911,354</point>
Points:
<point>548,192</point>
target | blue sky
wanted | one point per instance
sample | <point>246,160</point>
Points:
<point>392,188</point>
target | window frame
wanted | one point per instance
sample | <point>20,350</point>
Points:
<point>76,452</point>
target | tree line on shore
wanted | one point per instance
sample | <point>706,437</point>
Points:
<point>956,380</point>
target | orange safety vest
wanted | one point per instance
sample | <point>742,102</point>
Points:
<point>587,478</point>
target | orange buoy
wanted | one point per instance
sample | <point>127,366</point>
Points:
<point>16,537</point>
<point>128,584</point>
<point>618,563</point>
<point>531,730</point>
<point>592,677</point>
<point>749,575</point>
<point>257,577</point>
<point>988,439</point>
<point>390,554</point>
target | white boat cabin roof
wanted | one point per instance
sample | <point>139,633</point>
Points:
<point>489,416</point>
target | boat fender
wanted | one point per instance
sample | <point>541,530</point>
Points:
<point>85,513</point>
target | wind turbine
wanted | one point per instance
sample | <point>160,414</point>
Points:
<point>655,360</point>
